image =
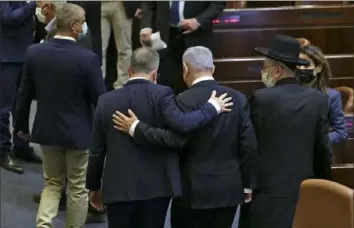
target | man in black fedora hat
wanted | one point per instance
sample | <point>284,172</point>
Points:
<point>292,130</point>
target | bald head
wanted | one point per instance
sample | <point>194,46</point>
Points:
<point>69,15</point>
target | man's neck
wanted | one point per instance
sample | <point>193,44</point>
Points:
<point>66,34</point>
<point>139,76</point>
<point>201,78</point>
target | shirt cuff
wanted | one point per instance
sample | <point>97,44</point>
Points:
<point>247,190</point>
<point>132,128</point>
<point>216,105</point>
<point>145,29</point>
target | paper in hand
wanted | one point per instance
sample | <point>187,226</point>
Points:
<point>156,42</point>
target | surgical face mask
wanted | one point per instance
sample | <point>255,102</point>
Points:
<point>305,76</point>
<point>84,31</point>
<point>40,16</point>
<point>268,82</point>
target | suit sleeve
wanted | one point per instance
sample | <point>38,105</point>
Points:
<point>95,83</point>
<point>179,121</point>
<point>148,9</point>
<point>322,153</point>
<point>336,119</point>
<point>18,16</point>
<point>146,134</point>
<point>213,11</point>
<point>97,151</point>
<point>24,99</point>
<point>247,149</point>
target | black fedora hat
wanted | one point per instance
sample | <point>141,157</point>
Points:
<point>284,49</point>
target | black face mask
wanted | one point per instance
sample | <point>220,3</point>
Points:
<point>305,76</point>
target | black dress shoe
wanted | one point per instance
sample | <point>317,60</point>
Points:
<point>36,197</point>
<point>11,165</point>
<point>27,155</point>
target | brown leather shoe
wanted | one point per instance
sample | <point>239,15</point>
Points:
<point>11,165</point>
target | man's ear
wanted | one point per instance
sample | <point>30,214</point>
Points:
<point>212,71</point>
<point>318,69</point>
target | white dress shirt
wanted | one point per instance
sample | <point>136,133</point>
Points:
<point>64,38</point>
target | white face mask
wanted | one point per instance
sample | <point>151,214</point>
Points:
<point>268,82</point>
<point>40,16</point>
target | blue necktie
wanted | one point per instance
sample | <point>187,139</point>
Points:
<point>174,13</point>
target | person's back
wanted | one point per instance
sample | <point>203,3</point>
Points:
<point>140,172</point>
<point>213,155</point>
<point>63,79</point>
<point>286,120</point>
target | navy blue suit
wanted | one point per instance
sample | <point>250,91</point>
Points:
<point>16,34</point>
<point>216,164</point>
<point>67,80</point>
<point>132,172</point>
<point>336,118</point>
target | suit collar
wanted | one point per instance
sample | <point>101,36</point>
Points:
<point>62,41</point>
<point>287,81</point>
<point>136,80</point>
<point>204,83</point>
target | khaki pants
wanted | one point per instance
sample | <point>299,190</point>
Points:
<point>61,166</point>
<point>113,14</point>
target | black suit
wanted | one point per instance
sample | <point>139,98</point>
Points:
<point>156,15</point>
<point>292,129</point>
<point>216,164</point>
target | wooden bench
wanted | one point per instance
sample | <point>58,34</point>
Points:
<point>331,28</point>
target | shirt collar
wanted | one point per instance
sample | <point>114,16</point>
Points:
<point>64,38</point>
<point>135,78</point>
<point>203,78</point>
<point>49,26</point>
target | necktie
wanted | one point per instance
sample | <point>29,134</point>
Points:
<point>174,13</point>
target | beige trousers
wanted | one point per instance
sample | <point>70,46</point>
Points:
<point>61,166</point>
<point>113,14</point>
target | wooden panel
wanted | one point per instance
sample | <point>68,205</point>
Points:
<point>344,152</point>
<point>250,68</point>
<point>238,43</point>
<point>286,16</point>
<point>344,174</point>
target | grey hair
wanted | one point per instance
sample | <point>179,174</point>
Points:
<point>56,4</point>
<point>199,58</point>
<point>68,13</point>
<point>144,60</point>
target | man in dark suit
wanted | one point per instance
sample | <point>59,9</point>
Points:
<point>16,34</point>
<point>291,123</point>
<point>139,181</point>
<point>66,80</point>
<point>217,163</point>
<point>182,24</point>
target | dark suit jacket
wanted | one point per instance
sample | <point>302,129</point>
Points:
<point>291,124</point>
<point>93,19</point>
<point>131,171</point>
<point>85,42</point>
<point>67,80</point>
<point>16,29</point>
<point>218,160</point>
<point>336,118</point>
<point>156,15</point>
<point>131,7</point>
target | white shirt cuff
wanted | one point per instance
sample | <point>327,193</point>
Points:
<point>145,29</point>
<point>216,105</point>
<point>132,128</point>
<point>247,190</point>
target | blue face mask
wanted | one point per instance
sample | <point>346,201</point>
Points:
<point>84,31</point>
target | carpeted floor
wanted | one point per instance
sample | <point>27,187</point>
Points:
<point>17,208</point>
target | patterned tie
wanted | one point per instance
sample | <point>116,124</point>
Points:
<point>174,13</point>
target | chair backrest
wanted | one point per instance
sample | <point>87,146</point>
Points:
<point>349,98</point>
<point>324,204</point>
